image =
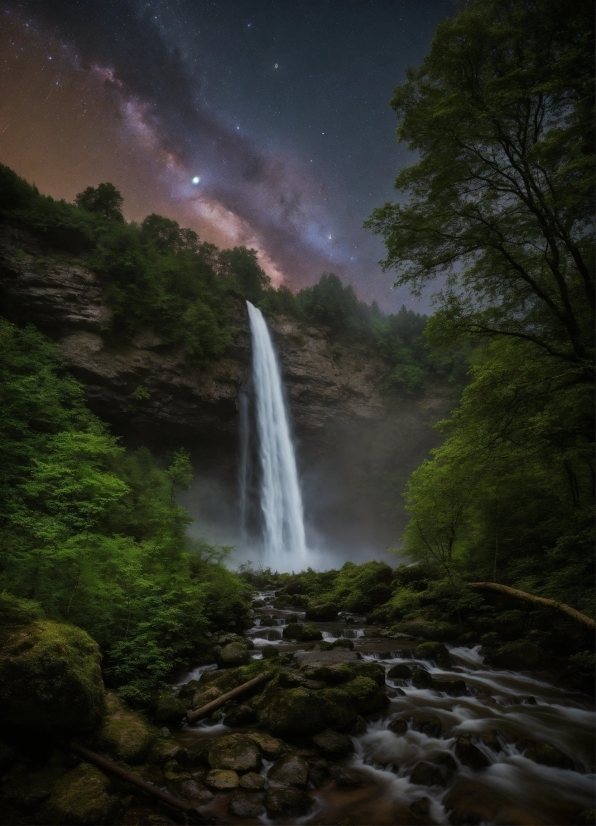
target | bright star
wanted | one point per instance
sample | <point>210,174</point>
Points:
<point>276,65</point>
<point>196,180</point>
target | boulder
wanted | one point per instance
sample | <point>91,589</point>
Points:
<point>400,672</point>
<point>302,633</point>
<point>50,678</point>
<point>241,715</point>
<point>399,726</point>
<point>271,747</point>
<point>252,782</point>
<point>81,797</point>
<point>427,774</point>
<point>343,642</point>
<point>346,777</point>
<point>421,678</point>
<point>548,755</point>
<point>340,710</point>
<point>169,709</point>
<point>270,652</point>
<point>428,724</point>
<point>421,807</point>
<point>315,659</point>
<point>222,779</point>
<point>291,770</point>
<point>321,611</point>
<point>469,754</point>
<point>366,695</point>
<point>232,655</point>
<point>295,711</point>
<point>330,674</point>
<point>373,671</point>
<point>246,805</point>
<point>205,695</point>
<point>164,750</point>
<point>455,688</point>
<point>286,803</point>
<point>333,744</point>
<point>192,790</point>
<point>434,651</point>
<point>236,752</point>
<point>124,733</point>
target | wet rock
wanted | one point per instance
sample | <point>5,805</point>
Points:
<point>429,725</point>
<point>321,611</point>
<point>291,770</point>
<point>162,751</point>
<point>339,709</point>
<point>346,777</point>
<point>295,711</point>
<point>490,738</point>
<point>318,772</point>
<point>222,779</point>
<point>548,755</point>
<point>400,672</point>
<point>434,651</point>
<point>462,816</point>
<point>455,688</point>
<point>302,633</point>
<point>192,790</point>
<point>427,774</point>
<point>240,716</point>
<point>366,695</point>
<point>330,674</point>
<point>169,709</point>
<point>359,727</point>
<point>246,805</point>
<point>399,726</point>
<point>315,659</point>
<point>125,734</point>
<point>252,782</point>
<point>421,678</point>
<point>284,803</point>
<point>81,797</point>
<point>469,754</point>
<point>343,642</point>
<point>270,652</point>
<point>373,671</point>
<point>237,752</point>
<point>50,676</point>
<point>333,744</point>
<point>470,803</point>
<point>421,807</point>
<point>206,695</point>
<point>232,655</point>
<point>271,747</point>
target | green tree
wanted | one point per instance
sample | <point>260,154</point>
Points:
<point>242,266</point>
<point>500,202</point>
<point>103,199</point>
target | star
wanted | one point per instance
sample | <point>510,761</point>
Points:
<point>276,65</point>
<point>196,180</point>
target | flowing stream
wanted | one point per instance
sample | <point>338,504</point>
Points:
<point>284,541</point>
<point>501,710</point>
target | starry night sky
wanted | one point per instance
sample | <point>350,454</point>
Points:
<point>280,109</point>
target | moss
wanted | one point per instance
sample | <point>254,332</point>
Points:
<point>126,734</point>
<point>14,611</point>
<point>373,671</point>
<point>237,752</point>
<point>435,651</point>
<point>50,678</point>
<point>340,712</point>
<point>366,695</point>
<point>169,709</point>
<point>81,797</point>
<point>303,633</point>
<point>295,711</point>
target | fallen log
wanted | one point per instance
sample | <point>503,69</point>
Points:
<point>551,603</point>
<point>191,812</point>
<point>192,716</point>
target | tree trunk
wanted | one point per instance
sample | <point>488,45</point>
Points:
<point>191,716</point>
<point>550,603</point>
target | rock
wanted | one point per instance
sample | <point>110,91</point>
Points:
<point>427,630</point>
<point>434,651</point>
<point>321,611</point>
<point>343,642</point>
<point>333,744</point>
<point>462,816</point>
<point>399,726</point>
<point>366,695</point>
<point>468,803</point>
<point>284,803</point>
<point>124,733</point>
<point>346,777</point>
<point>339,708</point>
<point>548,755</point>
<point>427,774</point>
<point>246,805</point>
<point>50,677</point>
<point>400,672</point>
<point>232,655</point>
<point>169,709</point>
<point>421,678</point>
<point>271,747</point>
<point>455,688</point>
<point>235,751</point>
<point>192,790</point>
<point>373,671</point>
<point>291,770</point>
<point>421,807</point>
<point>530,701</point>
<point>316,659</point>
<point>240,716</point>
<point>222,779</point>
<point>330,674</point>
<point>81,797</point>
<point>302,633</point>
<point>295,711</point>
<point>517,656</point>
<point>429,725</point>
<point>270,652</point>
<point>162,751</point>
<point>359,727</point>
<point>206,695</point>
<point>252,782</point>
<point>318,772</point>
<point>469,754</point>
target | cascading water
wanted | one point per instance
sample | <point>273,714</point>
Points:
<point>284,541</point>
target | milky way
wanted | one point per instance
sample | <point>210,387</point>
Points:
<point>263,123</point>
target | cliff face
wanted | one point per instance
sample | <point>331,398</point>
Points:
<point>351,439</point>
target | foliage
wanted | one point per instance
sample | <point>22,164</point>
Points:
<point>103,199</point>
<point>93,532</point>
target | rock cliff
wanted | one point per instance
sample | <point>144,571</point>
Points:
<point>349,434</point>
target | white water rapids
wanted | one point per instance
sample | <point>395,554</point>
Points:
<point>284,540</point>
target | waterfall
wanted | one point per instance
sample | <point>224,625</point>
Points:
<point>284,542</point>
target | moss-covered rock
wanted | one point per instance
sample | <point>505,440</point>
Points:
<point>164,750</point>
<point>321,611</point>
<point>469,754</point>
<point>206,695</point>
<point>169,709</point>
<point>82,796</point>
<point>232,655</point>
<point>373,671</point>
<point>333,744</point>
<point>435,651</point>
<point>270,746</point>
<point>270,652</point>
<point>295,711</point>
<point>124,733</point>
<point>300,632</point>
<point>548,755</point>
<point>286,803</point>
<point>400,672</point>
<point>366,695</point>
<point>340,712</point>
<point>245,805</point>
<point>50,677</point>
<point>421,678</point>
<point>330,674</point>
<point>290,770</point>
<point>222,779</point>
<point>252,782</point>
<point>235,751</point>
<point>240,715</point>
